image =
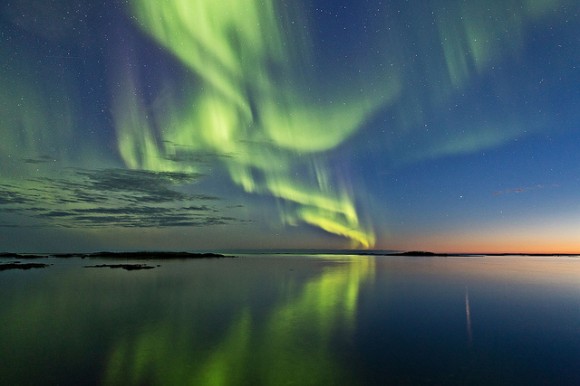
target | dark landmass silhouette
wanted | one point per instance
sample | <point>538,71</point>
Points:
<point>151,255</point>
<point>436,254</point>
<point>154,255</point>
<point>12,255</point>
<point>25,266</point>
<point>144,255</point>
<point>167,255</point>
<point>417,253</point>
<point>126,267</point>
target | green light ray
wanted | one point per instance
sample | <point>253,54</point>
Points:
<point>460,49</point>
<point>33,122</point>
<point>253,108</point>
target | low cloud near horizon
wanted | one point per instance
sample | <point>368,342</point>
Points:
<point>110,198</point>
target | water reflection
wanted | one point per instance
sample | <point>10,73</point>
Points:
<point>468,317</point>
<point>294,320</point>
<point>292,343</point>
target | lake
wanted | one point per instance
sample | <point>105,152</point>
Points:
<point>293,320</point>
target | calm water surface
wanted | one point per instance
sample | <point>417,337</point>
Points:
<point>294,320</point>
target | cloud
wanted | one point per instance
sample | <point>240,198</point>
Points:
<point>40,160</point>
<point>9,195</point>
<point>523,189</point>
<point>112,198</point>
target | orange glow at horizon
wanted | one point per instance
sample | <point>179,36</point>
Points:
<point>564,239</point>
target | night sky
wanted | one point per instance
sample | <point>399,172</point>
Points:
<point>442,125</point>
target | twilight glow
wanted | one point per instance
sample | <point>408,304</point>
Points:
<point>200,124</point>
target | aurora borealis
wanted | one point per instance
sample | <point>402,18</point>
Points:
<point>442,125</point>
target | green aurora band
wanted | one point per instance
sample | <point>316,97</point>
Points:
<point>251,88</point>
<point>253,97</point>
<point>32,122</point>
<point>251,110</point>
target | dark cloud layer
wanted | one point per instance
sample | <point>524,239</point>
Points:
<point>112,198</point>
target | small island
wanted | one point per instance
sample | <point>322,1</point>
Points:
<point>12,255</point>
<point>144,255</point>
<point>418,253</point>
<point>21,266</point>
<point>126,267</point>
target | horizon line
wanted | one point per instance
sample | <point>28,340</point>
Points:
<point>362,252</point>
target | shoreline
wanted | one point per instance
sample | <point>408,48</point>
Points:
<point>170,255</point>
<point>143,255</point>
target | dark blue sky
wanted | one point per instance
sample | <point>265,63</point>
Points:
<point>440,125</point>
